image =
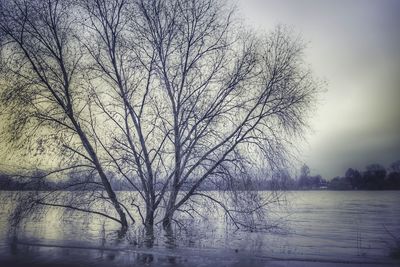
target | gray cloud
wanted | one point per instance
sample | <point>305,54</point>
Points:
<point>355,46</point>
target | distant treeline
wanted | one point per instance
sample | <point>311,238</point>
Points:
<point>40,181</point>
<point>374,177</point>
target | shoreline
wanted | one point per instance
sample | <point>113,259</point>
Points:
<point>46,255</point>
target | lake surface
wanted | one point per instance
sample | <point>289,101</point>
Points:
<point>320,226</point>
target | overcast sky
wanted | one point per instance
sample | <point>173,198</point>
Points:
<point>355,46</point>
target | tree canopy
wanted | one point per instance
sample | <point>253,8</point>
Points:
<point>170,95</point>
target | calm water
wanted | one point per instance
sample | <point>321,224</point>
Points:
<point>325,226</point>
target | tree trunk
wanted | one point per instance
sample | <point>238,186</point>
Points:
<point>110,192</point>
<point>167,222</point>
<point>149,222</point>
<point>170,209</point>
<point>149,227</point>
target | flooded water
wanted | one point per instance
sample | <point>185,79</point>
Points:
<point>314,226</point>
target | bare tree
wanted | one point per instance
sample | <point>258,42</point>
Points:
<point>43,94</point>
<point>229,97</point>
<point>174,96</point>
<point>126,79</point>
<point>198,101</point>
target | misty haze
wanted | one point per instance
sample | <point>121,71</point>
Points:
<point>199,133</point>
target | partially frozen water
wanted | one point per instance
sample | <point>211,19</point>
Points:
<point>323,226</point>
